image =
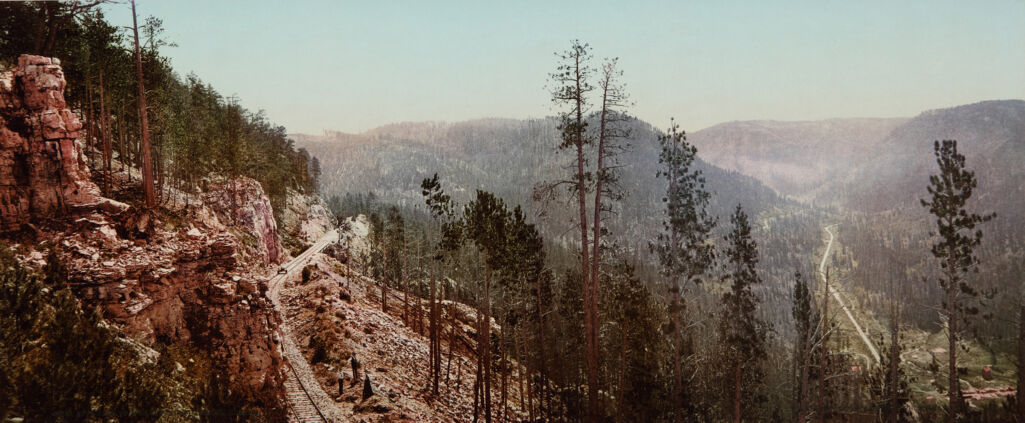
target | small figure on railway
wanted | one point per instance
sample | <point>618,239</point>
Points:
<point>368,391</point>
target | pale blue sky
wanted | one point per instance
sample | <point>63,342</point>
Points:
<point>352,66</point>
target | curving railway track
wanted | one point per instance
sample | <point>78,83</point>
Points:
<point>307,401</point>
<point>836,294</point>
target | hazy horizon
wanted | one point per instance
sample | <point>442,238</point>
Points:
<point>359,68</point>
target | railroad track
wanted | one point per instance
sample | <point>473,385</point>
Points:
<point>307,401</point>
<point>301,406</point>
<point>836,294</point>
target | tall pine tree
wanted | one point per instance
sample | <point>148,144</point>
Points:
<point>955,249</point>
<point>683,248</point>
<point>742,333</point>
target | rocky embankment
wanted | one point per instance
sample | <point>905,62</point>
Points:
<point>304,220</point>
<point>191,275</point>
<point>334,318</point>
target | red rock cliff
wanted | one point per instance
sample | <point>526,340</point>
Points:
<point>42,170</point>
<point>161,282</point>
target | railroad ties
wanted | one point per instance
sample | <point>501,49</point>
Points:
<point>307,401</point>
<point>301,408</point>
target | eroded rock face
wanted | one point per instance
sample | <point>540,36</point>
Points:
<point>186,285</point>
<point>158,282</point>
<point>242,202</point>
<point>43,172</point>
<point>306,217</point>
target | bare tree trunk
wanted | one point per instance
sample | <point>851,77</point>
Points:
<point>592,295</point>
<point>520,354</point>
<point>105,123</point>
<point>486,338</point>
<point>622,374</point>
<point>451,344</point>
<point>405,291</point>
<point>590,332</point>
<point>435,342</point>
<point>894,363</point>
<point>90,145</point>
<point>528,373</point>
<point>476,383</point>
<point>736,389</point>
<point>384,295</point>
<point>820,409</point>
<point>504,370</point>
<point>147,166</point>
<point>954,394</point>
<point>802,408</point>
<point>542,371</point>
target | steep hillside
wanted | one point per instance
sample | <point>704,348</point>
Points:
<point>507,157</point>
<point>794,158</point>
<point>876,164</point>
<point>990,134</point>
<point>182,285</point>
<point>336,315</point>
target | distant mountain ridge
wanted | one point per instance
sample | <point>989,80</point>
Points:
<point>508,157</point>
<point>864,164</point>
<point>875,164</point>
<point>793,158</point>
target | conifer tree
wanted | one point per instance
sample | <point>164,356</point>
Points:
<point>804,320</point>
<point>637,317</point>
<point>484,222</point>
<point>572,87</point>
<point>743,334</point>
<point>395,247</point>
<point>683,248</point>
<point>441,208</point>
<point>949,193</point>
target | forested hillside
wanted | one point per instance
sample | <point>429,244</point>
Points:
<point>509,158</point>
<point>167,254</point>
<point>194,130</point>
<point>861,177</point>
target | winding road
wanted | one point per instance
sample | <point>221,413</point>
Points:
<point>307,401</point>
<point>836,294</point>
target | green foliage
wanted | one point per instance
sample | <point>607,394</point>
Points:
<point>742,333</point>
<point>683,248</point>
<point>634,345</point>
<point>55,273</point>
<point>63,364</point>
<point>394,246</point>
<point>195,131</point>
<point>888,384</point>
<point>956,226</point>
<point>571,87</point>
<point>484,222</point>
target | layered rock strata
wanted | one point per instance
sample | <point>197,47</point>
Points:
<point>43,172</point>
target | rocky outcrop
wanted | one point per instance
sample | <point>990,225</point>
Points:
<point>306,217</point>
<point>186,285</point>
<point>241,202</point>
<point>42,169</point>
<point>160,279</point>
